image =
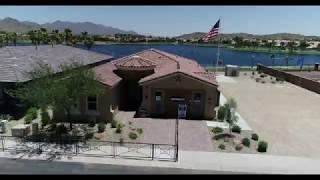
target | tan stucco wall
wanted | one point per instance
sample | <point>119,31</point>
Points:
<point>170,87</point>
<point>110,97</point>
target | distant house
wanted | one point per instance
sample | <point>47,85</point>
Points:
<point>153,83</point>
<point>16,61</point>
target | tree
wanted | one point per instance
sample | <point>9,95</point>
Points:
<point>291,46</point>
<point>67,35</point>
<point>14,38</point>
<point>89,42</point>
<point>230,116</point>
<point>61,90</point>
<point>7,38</point>
<point>303,45</point>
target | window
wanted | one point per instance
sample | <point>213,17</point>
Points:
<point>92,103</point>
<point>158,96</point>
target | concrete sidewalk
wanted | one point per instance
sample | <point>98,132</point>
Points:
<point>217,161</point>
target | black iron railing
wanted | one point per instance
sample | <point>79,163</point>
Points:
<point>80,147</point>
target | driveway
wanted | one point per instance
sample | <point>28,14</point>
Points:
<point>285,115</point>
<point>193,134</point>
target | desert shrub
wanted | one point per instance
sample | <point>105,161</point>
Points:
<point>130,122</point>
<point>114,124</point>
<point>61,129</point>
<point>222,147</point>
<point>33,112</point>
<point>101,127</point>
<point>92,123</point>
<point>217,130</point>
<point>253,73</point>
<point>246,142</point>
<point>140,130</point>
<point>28,119</point>
<point>245,73</point>
<point>258,79</point>
<point>279,79</point>
<point>273,82</point>
<point>238,147</point>
<point>271,78</point>
<point>45,118</point>
<point>88,136</point>
<point>236,129</point>
<point>119,128</point>
<point>263,81</point>
<point>133,135</point>
<point>221,113</point>
<point>254,137</point>
<point>262,146</point>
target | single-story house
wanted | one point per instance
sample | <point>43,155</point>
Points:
<point>153,83</point>
<point>16,61</point>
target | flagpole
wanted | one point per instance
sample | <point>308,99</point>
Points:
<point>218,51</point>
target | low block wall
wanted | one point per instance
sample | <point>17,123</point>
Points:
<point>294,79</point>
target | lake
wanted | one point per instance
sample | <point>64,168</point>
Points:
<point>205,56</point>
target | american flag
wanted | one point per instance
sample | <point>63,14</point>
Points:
<point>213,32</point>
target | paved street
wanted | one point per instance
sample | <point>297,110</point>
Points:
<point>9,166</point>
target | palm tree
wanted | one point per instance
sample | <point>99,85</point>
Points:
<point>7,38</point>
<point>14,38</point>
<point>44,35</point>
<point>89,42</point>
<point>67,35</point>
<point>84,35</point>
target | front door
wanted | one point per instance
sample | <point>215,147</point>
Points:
<point>182,111</point>
<point>196,105</point>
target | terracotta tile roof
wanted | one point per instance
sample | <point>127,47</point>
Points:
<point>135,62</point>
<point>163,63</point>
<point>105,74</point>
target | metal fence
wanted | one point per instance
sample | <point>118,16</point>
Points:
<point>80,147</point>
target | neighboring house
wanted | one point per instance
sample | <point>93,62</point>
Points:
<point>15,62</point>
<point>153,83</point>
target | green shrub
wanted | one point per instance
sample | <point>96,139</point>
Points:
<point>221,113</point>
<point>133,135</point>
<point>45,118</point>
<point>246,142</point>
<point>217,130</point>
<point>33,112</point>
<point>28,119</point>
<point>271,78</point>
<point>114,124</point>
<point>236,129</point>
<point>262,146</point>
<point>88,136</point>
<point>92,123</point>
<point>140,130</point>
<point>101,127</point>
<point>238,147</point>
<point>273,82</point>
<point>222,147</point>
<point>61,129</point>
<point>254,137</point>
<point>119,129</point>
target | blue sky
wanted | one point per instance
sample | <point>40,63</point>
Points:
<point>176,20</point>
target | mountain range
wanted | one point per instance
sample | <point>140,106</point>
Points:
<point>14,25</point>
<point>283,36</point>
